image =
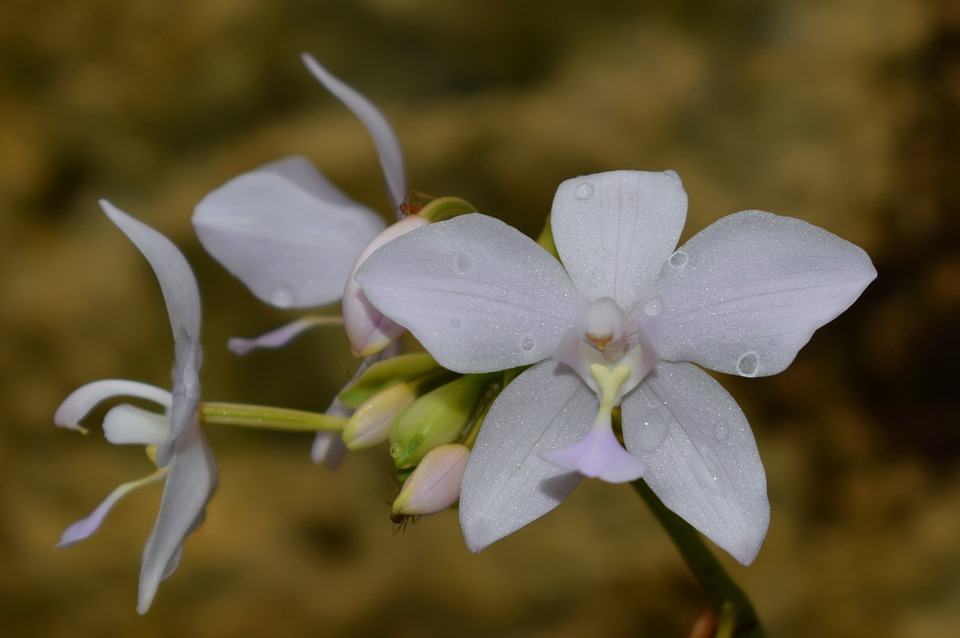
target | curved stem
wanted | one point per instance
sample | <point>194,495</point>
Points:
<point>735,615</point>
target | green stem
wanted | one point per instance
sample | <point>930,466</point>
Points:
<point>735,615</point>
<point>268,418</point>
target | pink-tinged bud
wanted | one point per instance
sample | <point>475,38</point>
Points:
<point>435,484</point>
<point>368,330</point>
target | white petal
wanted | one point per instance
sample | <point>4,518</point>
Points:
<point>613,231</point>
<point>746,293</point>
<point>388,148</point>
<point>479,295</point>
<point>281,336</point>
<point>285,232</point>
<point>76,406</point>
<point>182,297</point>
<point>126,424</point>
<point>703,461</point>
<point>190,484</point>
<point>506,484</point>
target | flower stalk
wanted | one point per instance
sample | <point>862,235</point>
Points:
<point>269,418</point>
<point>736,617</point>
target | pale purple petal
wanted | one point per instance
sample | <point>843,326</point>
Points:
<point>598,455</point>
<point>281,336</point>
<point>479,295</point>
<point>506,484</point>
<point>328,449</point>
<point>703,461</point>
<point>190,484</point>
<point>435,484</point>
<point>76,406</point>
<point>87,526</point>
<point>385,140</point>
<point>285,232</point>
<point>746,293</point>
<point>368,330</point>
<point>183,306</point>
<point>613,231</point>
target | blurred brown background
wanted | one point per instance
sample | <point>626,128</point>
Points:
<point>842,113</point>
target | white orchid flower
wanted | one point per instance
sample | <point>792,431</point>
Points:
<point>174,439</point>
<point>620,322</point>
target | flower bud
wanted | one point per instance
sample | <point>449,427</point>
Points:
<point>440,416</point>
<point>383,374</point>
<point>370,423</point>
<point>435,484</point>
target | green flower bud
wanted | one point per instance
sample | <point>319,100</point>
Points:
<point>383,374</point>
<point>443,415</point>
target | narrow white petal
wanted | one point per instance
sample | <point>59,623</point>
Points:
<point>190,484</point>
<point>128,424</point>
<point>702,458</point>
<point>281,336</point>
<point>85,527</point>
<point>614,230</point>
<point>385,140</point>
<point>479,295</point>
<point>183,305</point>
<point>746,293</point>
<point>507,484</point>
<point>286,232</point>
<point>76,406</point>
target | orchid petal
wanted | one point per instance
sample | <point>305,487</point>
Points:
<point>507,484</point>
<point>435,483</point>
<point>703,460</point>
<point>328,447</point>
<point>746,293</point>
<point>76,406</point>
<point>126,424</point>
<point>190,484</point>
<point>598,455</point>
<point>613,231</point>
<point>85,527</point>
<point>384,139</point>
<point>285,232</point>
<point>183,306</point>
<point>281,336</point>
<point>368,330</point>
<point>479,295</point>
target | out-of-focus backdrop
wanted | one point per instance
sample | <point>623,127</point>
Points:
<point>842,113</point>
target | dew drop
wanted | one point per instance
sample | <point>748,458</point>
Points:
<point>678,259</point>
<point>748,365</point>
<point>464,262</point>
<point>527,344</point>
<point>395,450</point>
<point>653,307</point>
<point>282,296</point>
<point>455,324</point>
<point>583,191</point>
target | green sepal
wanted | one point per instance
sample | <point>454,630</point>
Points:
<point>443,415</point>
<point>545,240</point>
<point>383,374</point>
<point>444,208</point>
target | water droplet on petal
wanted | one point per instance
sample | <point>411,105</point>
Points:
<point>653,307</point>
<point>583,191</point>
<point>455,324</point>
<point>748,365</point>
<point>282,296</point>
<point>464,262</point>
<point>678,259</point>
<point>527,344</point>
